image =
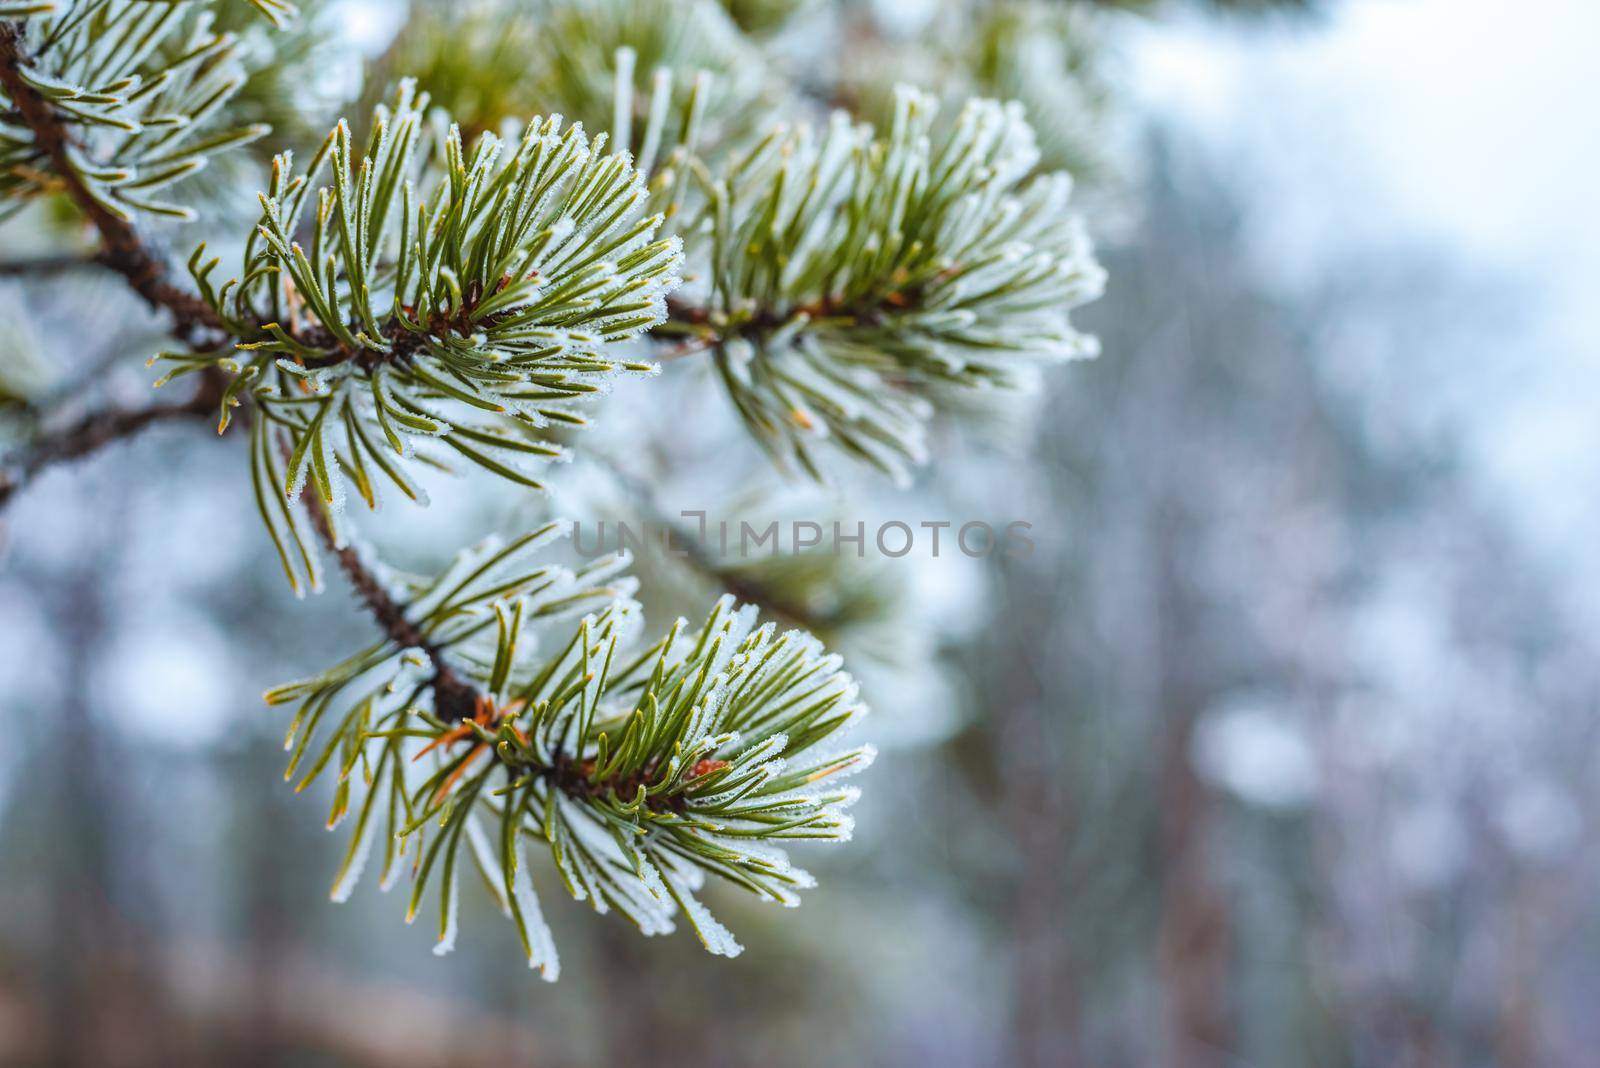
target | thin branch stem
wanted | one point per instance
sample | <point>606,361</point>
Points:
<point>99,429</point>
<point>698,329</point>
<point>455,699</point>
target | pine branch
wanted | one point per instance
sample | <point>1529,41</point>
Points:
<point>124,250</point>
<point>450,300</point>
<point>517,278</point>
<point>696,328</point>
<point>99,429</point>
<point>847,282</point>
<point>455,698</point>
<point>456,701</point>
<point>641,770</point>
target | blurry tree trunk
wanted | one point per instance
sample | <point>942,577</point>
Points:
<point>1193,936</point>
<point>1193,932</point>
<point>78,920</point>
<point>104,1001</point>
<point>1517,1027</point>
<point>1025,680</point>
<point>262,833</point>
<point>1045,1003</point>
<point>637,981</point>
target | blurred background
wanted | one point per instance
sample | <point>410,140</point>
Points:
<point>1280,748</point>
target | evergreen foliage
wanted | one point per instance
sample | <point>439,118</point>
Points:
<point>456,286</point>
<point>584,59</point>
<point>463,303</point>
<point>844,273</point>
<point>138,90</point>
<point>1046,55</point>
<point>642,770</point>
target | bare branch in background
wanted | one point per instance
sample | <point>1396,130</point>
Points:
<point>96,430</point>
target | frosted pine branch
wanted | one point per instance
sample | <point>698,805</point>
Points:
<point>642,770</point>
<point>56,143</point>
<point>841,280</point>
<point>410,293</point>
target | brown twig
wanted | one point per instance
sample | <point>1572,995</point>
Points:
<point>98,429</point>
<point>705,329</point>
<point>454,698</point>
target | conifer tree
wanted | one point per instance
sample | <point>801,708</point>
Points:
<point>536,201</point>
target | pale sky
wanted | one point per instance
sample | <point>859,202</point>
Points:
<point>1468,127</point>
